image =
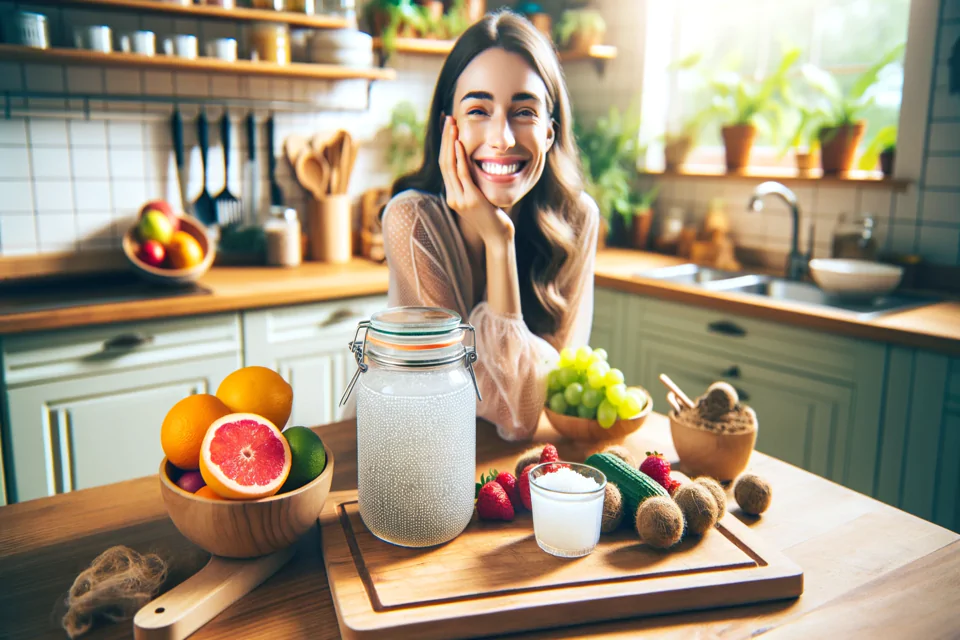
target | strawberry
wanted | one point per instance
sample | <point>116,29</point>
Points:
<point>672,486</point>
<point>549,454</point>
<point>509,483</point>
<point>523,486</point>
<point>657,468</point>
<point>493,503</point>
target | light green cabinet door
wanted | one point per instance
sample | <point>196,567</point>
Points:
<point>80,433</point>
<point>318,379</point>
<point>802,421</point>
<point>607,328</point>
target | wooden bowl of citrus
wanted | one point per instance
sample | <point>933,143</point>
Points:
<point>188,254</point>
<point>590,430</point>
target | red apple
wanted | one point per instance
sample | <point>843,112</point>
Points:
<point>152,253</point>
<point>163,207</point>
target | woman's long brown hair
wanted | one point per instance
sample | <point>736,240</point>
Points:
<point>552,214</point>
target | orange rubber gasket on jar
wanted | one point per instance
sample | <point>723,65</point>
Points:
<point>415,347</point>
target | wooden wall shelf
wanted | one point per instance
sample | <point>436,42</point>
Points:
<point>855,178</point>
<point>17,53</point>
<point>205,11</point>
<point>428,47</point>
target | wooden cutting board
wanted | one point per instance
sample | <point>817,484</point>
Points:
<point>494,579</point>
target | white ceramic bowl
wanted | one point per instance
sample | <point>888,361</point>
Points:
<point>855,278</point>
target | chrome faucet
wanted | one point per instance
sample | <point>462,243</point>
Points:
<point>796,261</point>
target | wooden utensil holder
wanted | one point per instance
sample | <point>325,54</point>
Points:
<point>331,230</point>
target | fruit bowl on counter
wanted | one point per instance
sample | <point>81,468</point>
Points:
<point>590,430</point>
<point>168,248</point>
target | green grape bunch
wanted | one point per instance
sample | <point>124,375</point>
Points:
<point>584,385</point>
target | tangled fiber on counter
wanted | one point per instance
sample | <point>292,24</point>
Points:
<point>115,586</point>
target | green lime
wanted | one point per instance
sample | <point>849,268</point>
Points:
<point>309,458</point>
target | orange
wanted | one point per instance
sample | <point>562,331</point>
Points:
<point>258,390</point>
<point>183,251</point>
<point>208,493</point>
<point>185,425</point>
<point>244,456</point>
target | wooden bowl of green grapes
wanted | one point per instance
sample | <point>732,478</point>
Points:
<point>587,400</point>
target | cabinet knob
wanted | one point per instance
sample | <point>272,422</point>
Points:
<point>727,328</point>
<point>744,396</point>
<point>338,316</point>
<point>732,372</point>
<point>127,341</point>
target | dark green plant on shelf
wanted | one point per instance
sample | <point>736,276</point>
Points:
<point>580,25</point>
<point>885,140</point>
<point>406,133</point>
<point>609,151</point>
<point>404,19</point>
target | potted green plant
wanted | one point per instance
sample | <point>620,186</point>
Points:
<point>609,150</point>
<point>840,125</point>
<point>882,148</point>
<point>744,104</point>
<point>580,29</point>
<point>804,141</point>
<point>642,217</point>
<point>405,139</point>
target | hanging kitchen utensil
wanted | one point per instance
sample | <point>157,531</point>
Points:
<point>204,209</point>
<point>346,150</point>
<point>228,207</point>
<point>310,174</point>
<point>177,126</point>
<point>293,146</point>
<point>251,173</point>
<point>276,195</point>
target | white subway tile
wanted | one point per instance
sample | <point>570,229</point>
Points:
<point>16,196</point>
<point>906,205</point>
<point>11,76</point>
<point>50,162</point>
<point>945,105</point>
<point>876,201</point>
<point>94,226</point>
<point>13,132</point>
<point>127,163</point>
<point>902,238</point>
<point>57,232</point>
<point>939,244</point>
<point>949,36</point>
<point>225,87</point>
<point>258,88</point>
<point>158,134</point>
<point>54,196</point>
<point>90,162</point>
<point>47,131</point>
<point>125,134</point>
<point>123,81</point>
<point>158,83</point>
<point>92,133</point>
<point>941,206</point>
<point>128,195</point>
<point>14,163</point>
<point>17,231</point>
<point>834,200</point>
<point>942,172</point>
<point>44,77</point>
<point>944,137</point>
<point>85,80</point>
<point>93,195</point>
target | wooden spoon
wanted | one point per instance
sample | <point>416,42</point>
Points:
<point>677,391</point>
<point>346,151</point>
<point>293,146</point>
<point>672,399</point>
<point>310,174</point>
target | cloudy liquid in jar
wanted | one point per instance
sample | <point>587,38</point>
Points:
<point>416,454</point>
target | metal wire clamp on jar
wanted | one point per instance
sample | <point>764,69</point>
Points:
<point>416,424</point>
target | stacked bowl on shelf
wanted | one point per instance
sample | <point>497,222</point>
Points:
<point>346,47</point>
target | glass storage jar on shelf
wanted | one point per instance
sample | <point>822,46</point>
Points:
<point>270,42</point>
<point>416,424</point>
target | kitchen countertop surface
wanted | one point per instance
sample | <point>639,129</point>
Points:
<point>870,570</point>
<point>935,327</point>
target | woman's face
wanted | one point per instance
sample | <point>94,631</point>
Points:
<point>500,107</point>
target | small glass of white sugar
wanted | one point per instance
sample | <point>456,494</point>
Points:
<point>567,506</point>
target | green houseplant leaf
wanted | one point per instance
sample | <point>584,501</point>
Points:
<point>884,139</point>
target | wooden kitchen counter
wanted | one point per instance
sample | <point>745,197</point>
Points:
<point>870,570</point>
<point>935,327</point>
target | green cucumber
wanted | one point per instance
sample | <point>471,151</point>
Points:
<point>634,485</point>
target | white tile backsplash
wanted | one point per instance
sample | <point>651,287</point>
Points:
<point>14,163</point>
<point>91,133</point>
<point>832,201</point>
<point>18,233</point>
<point>90,162</point>
<point>85,80</point>
<point>16,196</point>
<point>13,132</point>
<point>158,83</point>
<point>122,134</point>
<point>939,244</point>
<point>127,163</point>
<point>57,232</point>
<point>945,136</point>
<point>93,196</point>
<point>942,172</point>
<point>54,196</point>
<point>47,131</point>
<point>128,195</point>
<point>11,76</point>
<point>122,81</point>
<point>941,206</point>
<point>50,162</point>
<point>44,77</point>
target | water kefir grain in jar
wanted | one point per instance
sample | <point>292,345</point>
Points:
<point>416,428</point>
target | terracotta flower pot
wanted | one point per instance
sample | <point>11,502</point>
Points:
<point>737,143</point>
<point>805,163</point>
<point>582,40</point>
<point>543,23</point>
<point>434,8</point>
<point>641,228</point>
<point>475,9</point>
<point>838,147</point>
<point>602,234</point>
<point>887,159</point>
<point>675,152</point>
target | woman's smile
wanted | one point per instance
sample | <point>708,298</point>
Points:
<point>500,170</point>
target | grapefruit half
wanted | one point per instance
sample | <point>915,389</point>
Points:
<point>244,457</point>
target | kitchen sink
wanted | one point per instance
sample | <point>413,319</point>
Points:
<point>780,289</point>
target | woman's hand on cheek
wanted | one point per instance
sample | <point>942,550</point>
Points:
<point>463,195</point>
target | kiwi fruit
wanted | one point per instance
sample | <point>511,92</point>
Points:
<point>530,456</point>
<point>623,453</point>
<point>612,509</point>
<point>659,522</point>
<point>719,495</point>
<point>752,493</point>
<point>698,507</point>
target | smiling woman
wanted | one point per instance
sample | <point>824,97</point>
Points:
<point>495,224</point>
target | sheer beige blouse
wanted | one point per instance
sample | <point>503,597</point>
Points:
<point>429,267</point>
